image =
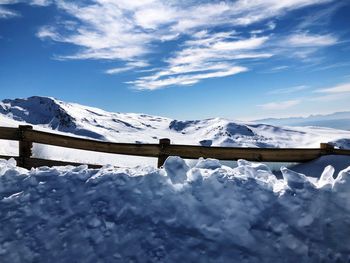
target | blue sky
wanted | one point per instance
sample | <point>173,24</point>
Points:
<point>189,59</point>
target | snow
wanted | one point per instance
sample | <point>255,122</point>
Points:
<point>205,213</point>
<point>315,167</point>
<point>52,115</point>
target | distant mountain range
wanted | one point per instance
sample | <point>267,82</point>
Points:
<point>337,120</point>
<point>51,114</point>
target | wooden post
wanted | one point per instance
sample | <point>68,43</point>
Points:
<point>162,157</point>
<point>326,148</point>
<point>25,147</point>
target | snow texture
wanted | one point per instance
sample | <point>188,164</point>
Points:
<point>207,213</point>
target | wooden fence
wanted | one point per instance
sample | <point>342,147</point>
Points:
<point>27,136</point>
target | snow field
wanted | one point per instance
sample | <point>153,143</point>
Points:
<point>207,213</point>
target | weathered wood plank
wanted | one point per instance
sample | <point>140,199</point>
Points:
<point>184,151</point>
<point>250,154</point>
<point>341,152</point>
<point>163,144</point>
<point>25,147</point>
<point>147,150</point>
<point>7,133</point>
<point>26,136</point>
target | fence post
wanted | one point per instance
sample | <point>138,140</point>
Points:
<point>162,157</point>
<point>25,147</point>
<point>326,148</point>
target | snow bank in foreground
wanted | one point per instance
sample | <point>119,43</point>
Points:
<point>208,213</point>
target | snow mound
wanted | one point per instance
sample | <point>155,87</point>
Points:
<point>207,213</point>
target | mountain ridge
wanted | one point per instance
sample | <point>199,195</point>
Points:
<point>336,120</point>
<point>55,115</point>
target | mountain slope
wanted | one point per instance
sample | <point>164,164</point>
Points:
<point>52,114</point>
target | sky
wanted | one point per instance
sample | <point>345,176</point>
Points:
<point>184,59</point>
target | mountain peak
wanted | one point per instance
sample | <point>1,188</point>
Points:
<point>38,110</point>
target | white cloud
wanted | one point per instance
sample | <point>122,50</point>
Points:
<point>109,28</point>
<point>130,30</point>
<point>271,25</point>
<point>49,33</point>
<point>113,71</point>
<point>214,48</point>
<point>333,65</point>
<point>153,83</point>
<point>303,46</point>
<point>320,17</point>
<point>277,69</point>
<point>338,89</point>
<point>31,2</point>
<point>126,30</point>
<point>239,45</point>
<point>41,2</point>
<point>331,97</point>
<point>7,13</point>
<point>207,55</point>
<point>310,40</point>
<point>281,105</point>
<point>104,31</point>
<point>8,2</point>
<point>289,90</point>
<point>129,66</point>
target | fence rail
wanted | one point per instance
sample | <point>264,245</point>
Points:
<point>27,136</point>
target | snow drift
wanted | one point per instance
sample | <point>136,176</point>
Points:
<point>207,213</point>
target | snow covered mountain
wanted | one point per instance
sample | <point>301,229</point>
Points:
<point>52,114</point>
<point>337,120</point>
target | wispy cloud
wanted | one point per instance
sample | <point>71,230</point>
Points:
<point>129,66</point>
<point>207,55</point>
<point>41,2</point>
<point>304,46</point>
<point>337,92</point>
<point>275,69</point>
<point>6,12</point>
<point>342,88</point>
<point>31,2</point>
<point>279,105</point>
<point>320,18</point>
<point>330,97</point>
<point>334,93</point>
<point>279,68</point>
<point>289,90</point>
<point>310,40</point>
<point>333,65</point>
<point>207,44</point>
<point>153,83</point>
